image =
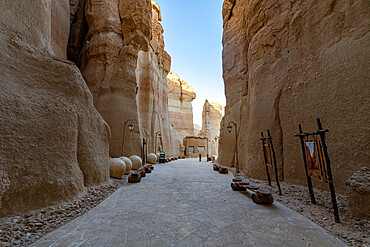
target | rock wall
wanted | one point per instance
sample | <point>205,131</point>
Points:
<point>53,141</point>
<point>117,31</point>
<point>234,73</point>
<point>60,24</point>
<point>211,120</point>
<point>152,100</point>
<point>180,96</point>
<point>298,61</point>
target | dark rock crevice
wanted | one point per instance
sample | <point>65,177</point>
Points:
<point>78,31</point>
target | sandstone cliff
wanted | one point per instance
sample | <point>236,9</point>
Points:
<point>290,62</point>
<point>180,96</point>
<point>117,31</point>
<point>211,121</point>
<point>123,61</point>
<point>234,65</point>
<point>152,100</point>
<point>53,141</point>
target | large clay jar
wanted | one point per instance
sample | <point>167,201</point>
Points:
<point>136,162</point>
<point>117,168</point>
<point>128,164</point>
<point>152,158</point>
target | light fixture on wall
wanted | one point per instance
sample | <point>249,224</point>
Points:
<point>157,135</point>
<point>229,128</point>
<point>208,134</point>
<point>131,127</point>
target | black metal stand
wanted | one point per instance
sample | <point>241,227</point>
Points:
<point>144,151</point>
<point>263,139</point>
<point>269,139</point>
<point>301,135</point>
<point>321,132</point>
<point>328,167</point>
<point>275,164</point>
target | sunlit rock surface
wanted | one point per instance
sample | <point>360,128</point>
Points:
<point>180,97</point>
<point>152,99</point>
<point>117,31</point>
<point>290,62</point>
<point>234,63</point>
<point>211,120</point>
<point>53,141</point>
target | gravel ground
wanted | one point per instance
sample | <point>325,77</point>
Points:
<point>353,231</point>
<point>23,230</point>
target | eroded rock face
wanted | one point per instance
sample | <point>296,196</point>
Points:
<point>54,142</point>
<point>211,120</point>
<point>234,73</point>
<point>152,100</point>
<point>118,30</point>
<point>60,24</point>
<point>296,61</point>
<point>180,96</point>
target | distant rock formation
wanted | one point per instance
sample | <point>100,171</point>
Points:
<point>197,129</point>
<point>152,99</point>
<point>180,96</point>
<point>53,141</point>
<point>287,63</point>
<point>211,120</point>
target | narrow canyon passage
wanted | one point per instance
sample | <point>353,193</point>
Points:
<point>185,203</point>
<point>93,91</point>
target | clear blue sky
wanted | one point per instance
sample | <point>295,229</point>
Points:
<point>193,38</point>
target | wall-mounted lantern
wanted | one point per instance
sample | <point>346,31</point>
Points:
<point>131,127</point>
<point>229,128</point>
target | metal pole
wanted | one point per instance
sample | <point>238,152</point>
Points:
<point>275,163</point>
<point>330,175</point>
<point>236,155</point>
<point>123,137</point>
<point>265,158</point>
<point>309,182</point>
<point>208,133</point>
<point>236,148</point>
<point>155,143</point>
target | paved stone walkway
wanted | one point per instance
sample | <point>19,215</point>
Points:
<point>185,203</point>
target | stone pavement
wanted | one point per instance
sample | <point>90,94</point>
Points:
<point>185,203</point>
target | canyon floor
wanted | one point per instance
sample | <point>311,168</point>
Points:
<point>186,203</point>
